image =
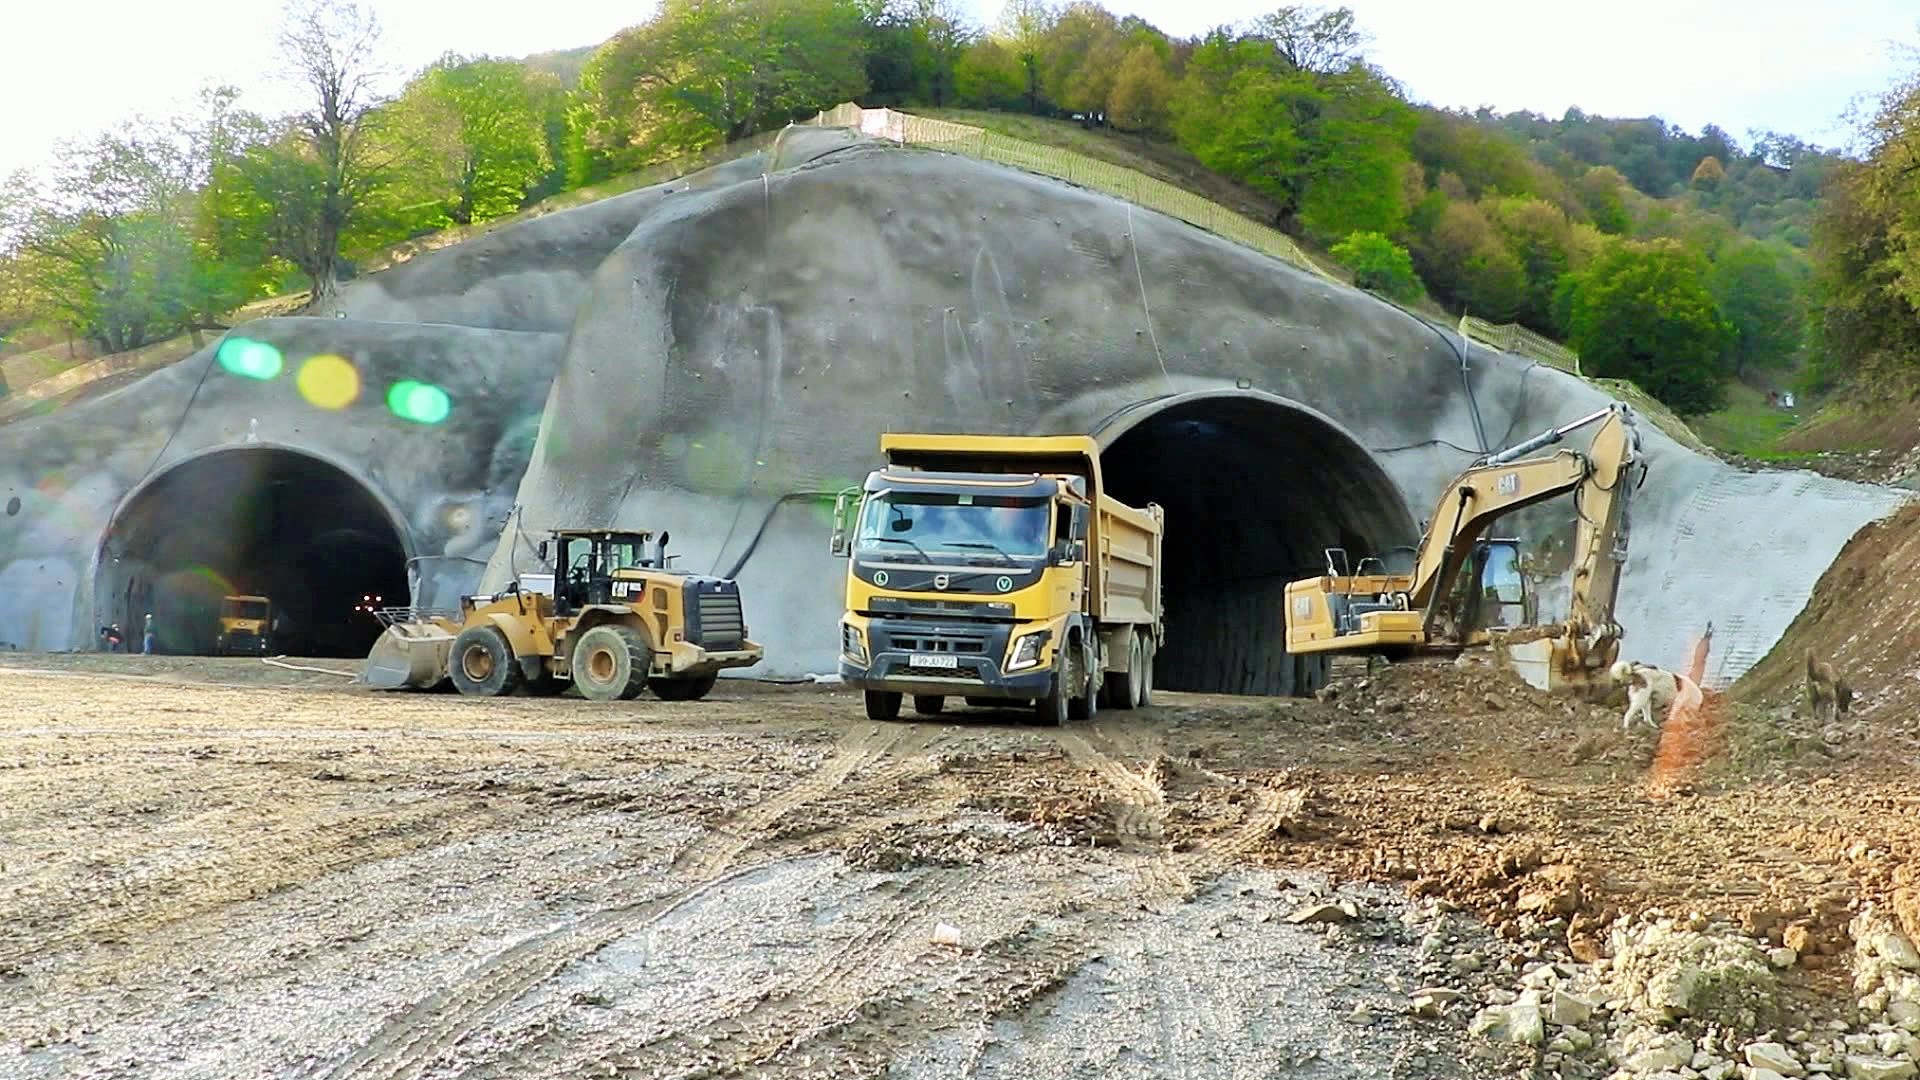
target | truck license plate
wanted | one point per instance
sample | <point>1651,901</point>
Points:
<point>935,660</point>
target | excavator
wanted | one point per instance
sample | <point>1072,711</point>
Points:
<point>1434,608</point>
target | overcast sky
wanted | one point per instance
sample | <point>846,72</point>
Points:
<point>75,68</point>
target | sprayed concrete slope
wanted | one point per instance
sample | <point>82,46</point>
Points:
<point>719,354</point>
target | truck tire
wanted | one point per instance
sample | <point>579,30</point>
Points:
<point>610,663</point>
<point>1052,710</point>
<point>1123,687</point>
<point>928,704</point>
<point>882,705</point>
<point>482,663</point>
<point>682,689</point>
<point>1146,672</point>
<point>1087,705</point>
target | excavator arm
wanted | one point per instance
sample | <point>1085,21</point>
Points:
<point>1338,612</point>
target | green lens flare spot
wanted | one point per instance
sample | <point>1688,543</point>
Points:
<point>422,403</point>
<point>249,358</point>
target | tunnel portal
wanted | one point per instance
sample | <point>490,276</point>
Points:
<point>254,521</point>
<point>1255,489</point>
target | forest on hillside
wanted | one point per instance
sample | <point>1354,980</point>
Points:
<point>1679,260</point>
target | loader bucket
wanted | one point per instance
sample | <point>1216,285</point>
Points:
<point>409,656</point>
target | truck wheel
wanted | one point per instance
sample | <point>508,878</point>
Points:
<point>610,664</point>
<point>1052,710</point>
<point>1086,706</point>
<point>1123,687</point>
<point>928,704</point>
<point>482,663</point>
<point>682,689</point>
<point>882,705</point>
<point>1146,674</point>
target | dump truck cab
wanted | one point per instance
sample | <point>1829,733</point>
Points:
<point>994,569</point>
<point>246,626</point>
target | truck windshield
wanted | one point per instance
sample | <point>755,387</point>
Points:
<point>968,524</point>
<point>246,609</point>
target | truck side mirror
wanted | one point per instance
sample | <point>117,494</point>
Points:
<point>843,505</point>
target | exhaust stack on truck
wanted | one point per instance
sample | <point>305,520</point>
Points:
<point>997,569</point>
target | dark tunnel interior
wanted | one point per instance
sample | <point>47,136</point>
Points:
<point>263,522</point>
<point>1254,493</point>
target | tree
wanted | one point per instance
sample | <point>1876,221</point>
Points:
<point>1022,30</point>
<point>1709,174</point>
<point>1379,265</point>
<point>481,125</point>
<point>1466,261</point>
<point>1080,56</point>
<point>1142,92</point>
<point>1643,312</point>
<point>1759,288</point>
<point>989,77</point>
<point>703,72</point>
<point>1540,236</point>
<point>328,161</point>
<point>1313,39</point>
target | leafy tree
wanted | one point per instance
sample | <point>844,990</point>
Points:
<point>1022,31</point>
<point>1313,39</point>
<point>989,77</point>
<point>1467,262</point>
<point>708,71</point>
<point>305,189</point>
<point>1600,190</point>
<point>1643,312</point>
<point>1142,92</point>
<point>1378,264</point>
<point>1760,289</point>
<point>1540,237</point>
<point>1709,173</point>
<point>1080,57</point>
<point>921,42</point>
<point>481,127</point>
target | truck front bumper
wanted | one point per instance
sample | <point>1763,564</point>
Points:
<point>898,649</point>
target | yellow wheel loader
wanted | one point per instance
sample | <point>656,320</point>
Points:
<point>1436,608</point>
<point>611,618</point>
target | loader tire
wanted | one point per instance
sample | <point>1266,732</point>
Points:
<point>682,689</point>
<point>482,663</point>
<point>610,664</point>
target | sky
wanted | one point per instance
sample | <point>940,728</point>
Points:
<point>74,69</point>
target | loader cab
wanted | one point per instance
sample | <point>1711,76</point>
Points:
<point>588,564</point>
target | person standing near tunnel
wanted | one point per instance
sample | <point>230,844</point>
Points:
<point>146,636</point>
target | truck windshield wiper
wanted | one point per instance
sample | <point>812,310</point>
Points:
<point>924,557</point>
<point>995,548</point>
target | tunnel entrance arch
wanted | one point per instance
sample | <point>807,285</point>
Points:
<point>1255,487</point>
<point>255,520</point>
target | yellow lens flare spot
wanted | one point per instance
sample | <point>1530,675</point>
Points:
<point>328,381</point>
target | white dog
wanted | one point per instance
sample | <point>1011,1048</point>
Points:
<point>1650,688</point>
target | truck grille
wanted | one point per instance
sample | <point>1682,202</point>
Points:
<point>958,645</point>
<point>963,671</point>
<point>721,624</point>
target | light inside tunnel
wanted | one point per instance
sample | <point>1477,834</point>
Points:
<point>263,522</point>
<point>1254,492</point>
<point>327,381</point>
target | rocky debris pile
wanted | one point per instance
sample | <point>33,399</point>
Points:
<point>1693,999</point>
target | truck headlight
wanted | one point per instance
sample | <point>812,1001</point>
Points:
<point>853,643</point>
<point>1026,650</point>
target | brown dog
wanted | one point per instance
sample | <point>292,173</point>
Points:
<point>1827,690</point>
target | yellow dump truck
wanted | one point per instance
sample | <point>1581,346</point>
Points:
<point>245,626</point>
<point>997,569</point>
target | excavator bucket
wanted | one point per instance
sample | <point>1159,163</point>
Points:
<point>1556,662</point>
<point>410,655</point>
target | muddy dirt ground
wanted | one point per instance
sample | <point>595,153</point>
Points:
<point>225,869</point>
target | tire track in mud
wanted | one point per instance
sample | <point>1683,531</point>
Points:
<point>411,1042</point>
<point>215,880</point>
